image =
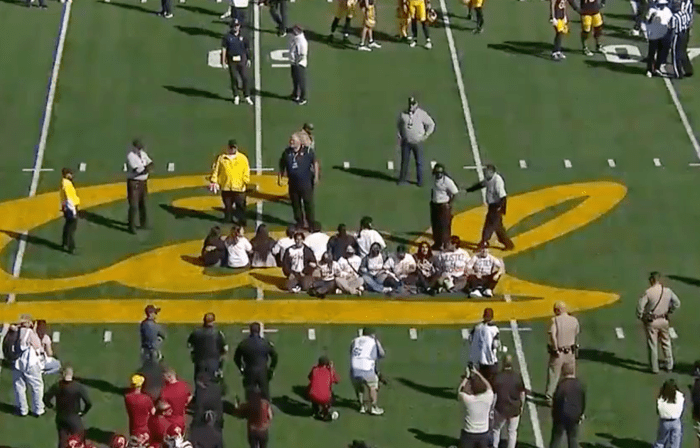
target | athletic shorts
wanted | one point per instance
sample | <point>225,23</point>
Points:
<point>416,10</point>
<point>360,378</point>
<point>591,21</point>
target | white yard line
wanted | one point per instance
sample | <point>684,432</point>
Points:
<point>676,102</point>
<point>539,442</point>
<point>45,124</point>
<point>258,117</point>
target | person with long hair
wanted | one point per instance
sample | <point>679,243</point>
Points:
<point>258,412</point>
<point>51,364</point>
<point>325,283</point>
<point>262,244</point>
<point>238,248</point>
<point>669,406</point>
<point>214,248</point>
<point>426,270</point>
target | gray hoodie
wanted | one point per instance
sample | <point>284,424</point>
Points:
<point>415,127</point>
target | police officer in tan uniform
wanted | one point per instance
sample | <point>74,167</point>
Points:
<point>653,309</point>
<point>562,346</point>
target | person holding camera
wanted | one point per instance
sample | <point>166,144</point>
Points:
<point>562,346</point>
<point>478,399</point>
<point>365,350</point>
<point>653,309</point>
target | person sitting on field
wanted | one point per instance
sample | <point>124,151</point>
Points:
<point>402,266</point>
<point>483,272</point>
<point>320,390</point>
<point>376,278</point>
<point>426,270</point>
<point>262,244</point>
<point>338,243</point>
<point>317,241</point>
<point>324,282</point>
<point>298,264</point>
<point>283,244</point>
<point>452,264</point>
<point>214,248</point>
<point>51,364</point>
<point>367,236</point>
<point>347,274</point>
<point>237,247</point>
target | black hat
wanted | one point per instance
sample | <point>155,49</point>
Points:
<point>235,22</point>
<point>308,127</point>
<point>232,143</point>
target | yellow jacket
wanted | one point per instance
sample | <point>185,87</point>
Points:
<point>231,172</point>
<point>69,197</point>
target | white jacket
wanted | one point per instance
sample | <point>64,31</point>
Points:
<point>31,354</point>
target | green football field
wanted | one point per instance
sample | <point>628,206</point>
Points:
<point>592,126</point>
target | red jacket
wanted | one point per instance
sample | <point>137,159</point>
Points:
<point>321,381</point>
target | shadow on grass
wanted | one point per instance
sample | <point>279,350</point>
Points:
<point>687,280</point>
<point>631,69</point>
<point>104,221</point>
<point>292,406</point>
<point>435,391</point>
<point>181,212</point>
<point>540,50</point>
<point>195,92</point>
<point>433,439</point>
<point>198,10</point>
<point>621,442</point>
<point>368,174</point>
<point>34,240</point>
<point>338,402</point>
<point>198,31</point>
<point>131,7</point>
<point>591,354</point>
<point>7,408</point>
<point>101,385</point>
<point>99,435</point>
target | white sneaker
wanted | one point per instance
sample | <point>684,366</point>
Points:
<point>374,44</point>
<point>363,410</point>
<point>376,410</point>
<point>236,100</point>
<point>649,75</point>
<point>386,290</point>
<point>364,48</point>
<point>475,293</point>
<point>412,43</point>
<point>226,15</point>
<point>338,291</point>
<point>168,16</point>
<point>428,44</point>
<point>249,100</point>
<point>562,55</point>
<point>296,289</point>
<point>635,32</point>
<point>488,292</point>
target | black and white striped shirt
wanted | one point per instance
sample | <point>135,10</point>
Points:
<point>682,19</point>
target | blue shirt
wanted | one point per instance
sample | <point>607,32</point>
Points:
<point>151,334</point>
<point>299,167</point>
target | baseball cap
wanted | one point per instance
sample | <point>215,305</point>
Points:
<point>308,127</point>
<point>232,143</point>
<point>137,380</point>
<point>152,309</point>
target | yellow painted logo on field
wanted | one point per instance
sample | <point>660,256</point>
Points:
<point>171,269</point>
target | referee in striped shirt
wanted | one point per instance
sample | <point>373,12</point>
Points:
<point>681,22</point>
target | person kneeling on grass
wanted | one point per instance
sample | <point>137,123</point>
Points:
<point>483,272</point>
<point>324,282</point>
<point>298,264</point>
<point>214,248</point>
<point>320,391</point>
<point>238,248</point>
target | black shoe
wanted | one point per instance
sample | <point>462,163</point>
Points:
<point>43,7</point>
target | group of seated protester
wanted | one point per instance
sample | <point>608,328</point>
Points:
<point>351,264</point>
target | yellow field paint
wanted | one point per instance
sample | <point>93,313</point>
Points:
<point>173,268</point>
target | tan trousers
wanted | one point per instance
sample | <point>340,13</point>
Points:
<point>657,331</point>
<point>554,370</point>
<point>349,286</point>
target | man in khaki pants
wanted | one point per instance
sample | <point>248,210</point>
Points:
<point>653,309</point>
<point>563,332</point>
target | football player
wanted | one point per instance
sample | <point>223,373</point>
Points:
<point>118,441</point>
<point>346,9</point>
<point>559,18</point>
<point>404,19</point>
<point>175,439</point>
<point>368,25</point>
<point>417,12</point>
<point>477,6</point>
<point>591,19</point>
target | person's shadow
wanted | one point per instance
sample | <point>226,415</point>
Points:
<point>621,442</point>
<point>99,435</point>
<point>291,406</point>
<point>435,391</point>
<point>101,385</point>
<point>338,402</point>
<point>592,354</point>
<point>368,174</point>
<point>433,439</point>
<point>32,239</point>
<point>104,221</point>
<point>195,92</point>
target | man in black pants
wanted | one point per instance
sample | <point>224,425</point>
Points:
<point>251,357</point>
<point>208,347</point>
<point>72,403</point>
<point>681,22</point>
<point>568,406</point>
<point>298,163</point>
<point>278,12</point>
<point>166,9</point>
<point>235,55</point>
<point>69,206</point>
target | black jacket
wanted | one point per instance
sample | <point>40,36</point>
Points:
<point>253,353</point>
<point>569,401</point>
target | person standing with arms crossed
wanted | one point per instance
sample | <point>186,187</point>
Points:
<point>496,198</point>
<point>69,207</point>
<point>443,191</point>
<point>299,57</point>
<point>235,55</point>
<point>653,309</point>
<point>139,166</point>
<point>251,358</point>
<point>562,347</point>
<point>299,164</point>
<point>231,175</point>
<point>414,127</point>
<point>72,402</point>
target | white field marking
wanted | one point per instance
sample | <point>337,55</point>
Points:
<point>124,168</point>
<point>312,334</point>
<point>657,162</point>
<point>672,332</point>
<point>412,334</point>
<point>259,295</point>
<point>171,167</point>
<point>3,332</point>
<point>82,167</point>
<point>433,163</point>
<point>26,170</point>
<point>359,331</point>
<point>107,337</point>
<point>504,349</point>
<point>519,329</point>
<point>676,102</point>
<point>523,164</point>
<point>620,334</point>
<point>46,122</point>
<point>463,96</point>
<point>390,165</point>
<point>280,58</point>
<point>534,419</point>
<point>346,165</point>
<point>465,333</point>
<point>611,163</point>
<point>56,337</point>
<point>469,167</point>
<point>567,163</point>
<point>694,164</point>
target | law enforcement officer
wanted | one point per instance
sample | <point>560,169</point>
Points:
<point>414,127</point>
<point>443,191</point>
<point>152,336</point>
<point>251,358</point>
<point>207,347</point>
<point>562,346</point>
<point>298,163</point>
<point>653,309</point>
<point>139,166</point>
<point>496,201</point>
<point>235,55</point>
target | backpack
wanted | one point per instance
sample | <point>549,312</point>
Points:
<point>11,347</point>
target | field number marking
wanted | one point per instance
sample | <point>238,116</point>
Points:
<point>280,58</point>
